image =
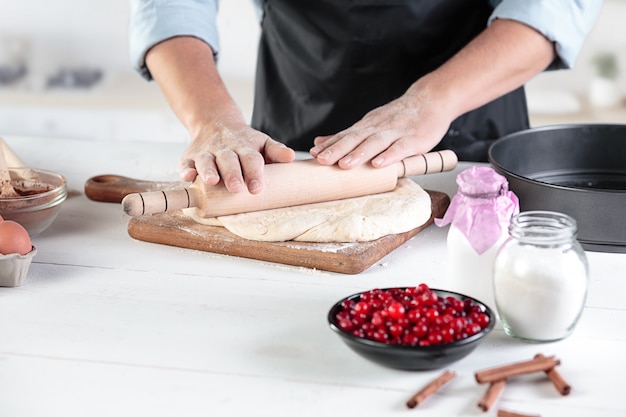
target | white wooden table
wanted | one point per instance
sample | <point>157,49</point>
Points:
<point>109,326</point>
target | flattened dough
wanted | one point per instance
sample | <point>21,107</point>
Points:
<point>358,219</point>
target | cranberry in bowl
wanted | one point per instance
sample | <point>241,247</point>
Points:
<point>411,328</point>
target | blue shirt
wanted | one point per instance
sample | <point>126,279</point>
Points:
<point>564,22</point>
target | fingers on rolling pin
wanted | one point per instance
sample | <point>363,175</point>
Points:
<point>288,180</point>
<point>428,163</point>
<point>138,204</point>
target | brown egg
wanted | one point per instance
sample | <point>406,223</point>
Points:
<point>14,238</point>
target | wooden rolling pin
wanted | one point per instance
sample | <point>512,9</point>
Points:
<point>291,184</point>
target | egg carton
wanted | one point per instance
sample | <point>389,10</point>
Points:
<point>14,268</point>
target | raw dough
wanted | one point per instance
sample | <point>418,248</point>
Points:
<point>358,219</point>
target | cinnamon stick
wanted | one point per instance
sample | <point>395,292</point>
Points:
<point>431,388</point>
<point>505,413</point>
<point>518,368</point>
<point>557,379</point>
<point>491,395</point>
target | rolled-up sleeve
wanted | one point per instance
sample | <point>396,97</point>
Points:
<point>153,21</point>
<point>564,22</point>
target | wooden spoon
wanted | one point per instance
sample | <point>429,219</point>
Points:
<point>6,189</point>
<point>13,161</point>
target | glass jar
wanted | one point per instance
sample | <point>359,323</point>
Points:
<point>540,277</point>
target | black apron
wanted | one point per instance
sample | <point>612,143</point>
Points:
<point>323,64</point>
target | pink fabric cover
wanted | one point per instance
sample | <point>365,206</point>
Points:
<point>482,208</point>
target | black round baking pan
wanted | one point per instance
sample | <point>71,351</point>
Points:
<point>576,169</point>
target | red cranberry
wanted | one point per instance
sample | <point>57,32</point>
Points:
<point>482,320</point>
<point>431,314</point>
<point>396,330</point>
<point>396,311</point>
<point>361,307</point>
<point>414,316</point>
<point>420,330</point>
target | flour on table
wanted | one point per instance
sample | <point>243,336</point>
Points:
<point>358,219</point>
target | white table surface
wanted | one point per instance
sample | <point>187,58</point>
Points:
<point>109,326</point>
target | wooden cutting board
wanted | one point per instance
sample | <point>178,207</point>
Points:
<point>175,229</point>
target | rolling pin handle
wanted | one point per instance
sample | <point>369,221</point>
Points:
<point>428,163</point>
<point>153,202</point>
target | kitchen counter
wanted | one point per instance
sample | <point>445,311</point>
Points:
<point>121,107</point>
<point>585,113</point>
<point>109,326</point>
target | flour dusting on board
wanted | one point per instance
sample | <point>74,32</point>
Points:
<point>320,247</point>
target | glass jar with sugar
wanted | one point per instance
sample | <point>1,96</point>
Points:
<point>540,277</point>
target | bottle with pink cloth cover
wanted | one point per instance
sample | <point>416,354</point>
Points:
<point>479,216</point>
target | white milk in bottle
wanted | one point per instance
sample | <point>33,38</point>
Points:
<point>479,216</point>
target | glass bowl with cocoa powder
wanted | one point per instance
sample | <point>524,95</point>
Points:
<point>40,195</point>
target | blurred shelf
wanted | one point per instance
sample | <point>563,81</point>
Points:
<point>586,114</point>
<point>119,91</point>
<point>130,108</point>
<point>125,107</point>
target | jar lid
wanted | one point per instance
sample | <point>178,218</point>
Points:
<point>481,180</point>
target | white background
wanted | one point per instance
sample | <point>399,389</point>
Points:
<point>50,35</point>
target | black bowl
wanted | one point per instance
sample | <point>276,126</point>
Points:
<point>413,358</point>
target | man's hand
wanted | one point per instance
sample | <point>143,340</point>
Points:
<point>502,58</point>
<point>410,125</point>
<point>236,154</point>
<point>223,146</point>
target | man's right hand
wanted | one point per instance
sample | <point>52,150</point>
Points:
<point>235,154</point>
<point>223,146</point>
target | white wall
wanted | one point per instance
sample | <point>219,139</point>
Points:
<point>53,34</point>
<point>93,34</point>
<point>609,34</point>
<point>68,32</point>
